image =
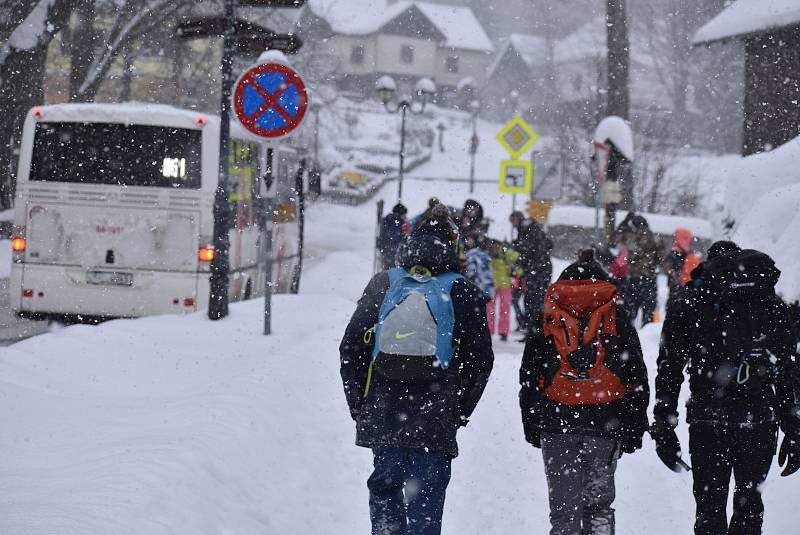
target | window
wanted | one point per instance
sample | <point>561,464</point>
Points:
<point>112,153</point>
<point>357,54</point>
<point>407,54</point>
<point>451,63</point>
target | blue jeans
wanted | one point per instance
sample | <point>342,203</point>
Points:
<point>406,491</point>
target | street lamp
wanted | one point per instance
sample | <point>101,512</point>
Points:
<point>424,90</point>
<point>474,108</point>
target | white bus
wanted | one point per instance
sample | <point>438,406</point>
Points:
<point>113,212</point>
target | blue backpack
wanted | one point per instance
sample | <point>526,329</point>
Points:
<point>414,333</point>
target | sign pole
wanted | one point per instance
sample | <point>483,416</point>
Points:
<point>268,223</point>
<point>220,266</point>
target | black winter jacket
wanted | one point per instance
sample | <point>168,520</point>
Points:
<point>624,419</point>
<point>694,335</point>
<point>534,248</point>
<point>390,237</point>
<point>420,415</point>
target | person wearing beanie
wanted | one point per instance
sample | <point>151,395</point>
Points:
<point>733,335</point>
<point>644,258</point>
<point>391,234</point>
<point>410,421</point>
<point>583,396</point>
<point>534,248</point>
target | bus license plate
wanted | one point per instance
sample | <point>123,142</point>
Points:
<point>113,278</point>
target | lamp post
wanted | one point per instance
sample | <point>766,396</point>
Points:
<point>474,107</point>
<point>387,88</point>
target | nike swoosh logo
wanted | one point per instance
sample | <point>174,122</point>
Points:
<point>400,336</point>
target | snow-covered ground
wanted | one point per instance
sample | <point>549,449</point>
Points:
<point>181,425</point>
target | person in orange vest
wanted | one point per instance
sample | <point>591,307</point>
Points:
<point>583,396</point>
<point>680,261</point>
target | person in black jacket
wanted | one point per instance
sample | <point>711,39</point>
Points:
<point>391,234</point>
<point>583,396</point>
<point>534,248</point>
<point>411,427</point>
<point>734,333</point>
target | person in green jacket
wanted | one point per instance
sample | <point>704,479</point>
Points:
<point>504,259</point>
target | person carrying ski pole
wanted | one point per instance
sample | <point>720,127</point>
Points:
<point>415,359</point>
<point>732,333</point>
<point>583,396</point>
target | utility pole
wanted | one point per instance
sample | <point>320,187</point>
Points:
<point>220,266</point>
<point>618,59</point>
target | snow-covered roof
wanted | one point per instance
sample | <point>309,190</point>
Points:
<point>459,25</point>
<point>530,49</point>
<point>363,17</point>
<point>749,16</point>
<point>588,41</point>
<point>356,17</point>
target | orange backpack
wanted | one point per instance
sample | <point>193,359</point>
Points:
<point>567,305</point>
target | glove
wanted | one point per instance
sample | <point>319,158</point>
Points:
<point>789,455</point>
<point>630,442</point>
<point>668,447</point>
<point>534,437</point>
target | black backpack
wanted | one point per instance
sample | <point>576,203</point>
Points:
<point>743,310</point>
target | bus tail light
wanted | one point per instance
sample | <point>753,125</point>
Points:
<point>38,112</point>
<point>206,254</point>
<point>188,302</point>
<point>27,293</point>
<point>18,245</point>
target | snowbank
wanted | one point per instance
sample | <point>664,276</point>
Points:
<point>773,226</point>
<point>761,199</point>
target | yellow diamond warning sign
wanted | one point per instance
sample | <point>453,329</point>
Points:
<point>517,136</point>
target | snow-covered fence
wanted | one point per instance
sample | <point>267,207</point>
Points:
<point>572,228</point>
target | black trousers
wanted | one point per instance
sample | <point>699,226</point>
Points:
<point>716,452</point>
<point>534,297</point>
<point>641,293</point>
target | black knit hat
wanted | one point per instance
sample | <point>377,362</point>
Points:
<point>586,268</point>
<point>439,224</point>
<point>722,247</point>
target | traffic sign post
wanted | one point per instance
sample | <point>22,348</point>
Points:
<point>516,176</point>
<point>270,100</point>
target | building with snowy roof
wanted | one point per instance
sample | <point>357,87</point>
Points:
<point>771,35</point>
<point>408,40</point>
<point>520,67</point>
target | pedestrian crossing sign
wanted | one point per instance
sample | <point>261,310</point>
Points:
<point>516,176</point>
<point>517,136</point>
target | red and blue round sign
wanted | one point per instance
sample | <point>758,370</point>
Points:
<point>270,100</point>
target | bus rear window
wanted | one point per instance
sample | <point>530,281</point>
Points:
<point>112,153</point>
